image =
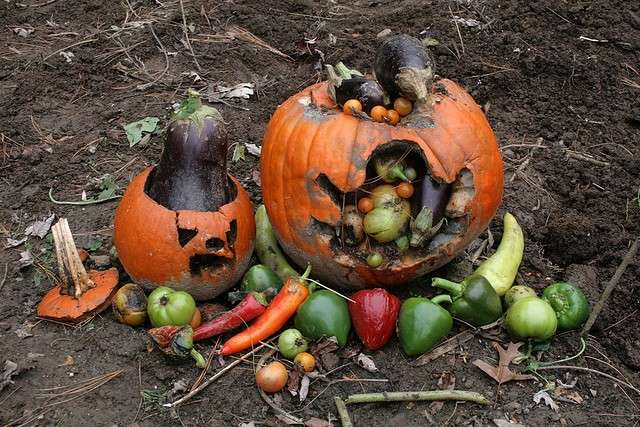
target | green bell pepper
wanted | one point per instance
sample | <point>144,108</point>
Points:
<point>259,278</point>
<point>422,323</point>
<point>474,300</point>
<point>569,303</point>
<point>324,314</point>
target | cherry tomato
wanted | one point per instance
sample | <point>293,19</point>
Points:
<point>291,342</point>
<point>403,106</point>
<point>392,117</point>
<point>273,377</point>
<point>404,190</point>
<point>365,204</point>
<point>305,360</point>
<point>167,307</point>
<point>351,106</point>
<point>375,259</point>
<point>378,113</point>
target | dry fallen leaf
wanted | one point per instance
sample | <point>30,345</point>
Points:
<point>317,422</point>
<point>304,388</point>
<point>293,383</point>
<point>68,361</point>
<point>446,381</point>
<point>502,373</point>
<point>366,363</point>
<point>548,400</point>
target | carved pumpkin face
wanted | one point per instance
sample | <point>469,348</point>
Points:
<point>314,157</point>
<point>203,253</point>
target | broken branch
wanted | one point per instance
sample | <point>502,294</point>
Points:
<point>405,396</point>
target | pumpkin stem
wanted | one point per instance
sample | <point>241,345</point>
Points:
<point>73,277</point>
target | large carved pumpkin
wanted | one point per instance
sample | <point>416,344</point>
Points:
<point>203,253</point>
<point>314,155</point>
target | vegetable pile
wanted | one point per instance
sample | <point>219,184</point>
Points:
<point>377,179</point>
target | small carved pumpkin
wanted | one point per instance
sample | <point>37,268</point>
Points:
<point>203,253</point>
<point>315,160</point>
<point>186,223</point>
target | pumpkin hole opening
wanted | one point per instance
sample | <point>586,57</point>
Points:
<point>214,244</point>
<point>232,234</point>
<point>185,235</point>
<point>334,193</point>
<point>200,263</point>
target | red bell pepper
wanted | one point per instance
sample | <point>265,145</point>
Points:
<point>374,314</point>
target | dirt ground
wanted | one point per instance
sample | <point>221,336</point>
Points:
<point>560,82</point>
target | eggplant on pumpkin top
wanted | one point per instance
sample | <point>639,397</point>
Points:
<point>325,158</point>
<point>187,223</point>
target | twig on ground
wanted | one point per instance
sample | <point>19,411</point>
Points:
<point>625,318</point>
<point>631,253</point>
<point>242,34</point>
<point>185,30</point>
<point>409,396</point>
<point>593,371</point>
<point>217,375</point>
<point>80,202</point>
<point>585,157</point>
<point>69,47</point>
<point>345,419</point>
<point>4,277</point>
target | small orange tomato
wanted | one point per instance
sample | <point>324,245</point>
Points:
<point>378,113</point>
<point>351,106</point>
<point>365,205</point>
<point>403,106</point>
<point>305,360</point>
<point>273,377</point>
<point>404,190</point>
<point>196,320</point>
<point>392,117</point>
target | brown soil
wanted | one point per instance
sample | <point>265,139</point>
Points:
<point>561,86</point>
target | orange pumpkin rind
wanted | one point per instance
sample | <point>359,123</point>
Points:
<point>308,137</point>
<point>202,253</point>
<point>68,308</point>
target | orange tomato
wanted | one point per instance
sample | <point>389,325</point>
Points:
<point>392,117</point>
<point>365,205</point>
<point>378,113</point>
<point>196,320</point>
<point>403,106</point>
<point>272,378</point>
<point>305,360</point>
<point>351,106</point>
<point>404,190</point>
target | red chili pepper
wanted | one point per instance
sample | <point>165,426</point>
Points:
<point>374,314</point>
<point>251,306</point>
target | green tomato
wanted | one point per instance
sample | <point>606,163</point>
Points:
<point>532,318</point>
<point>516,293</point>
<point>291,342</point>
<point>167,307</point>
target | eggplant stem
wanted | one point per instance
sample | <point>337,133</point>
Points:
<point>345,72</point>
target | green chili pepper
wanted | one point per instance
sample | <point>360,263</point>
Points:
<point>500,269</point>
<point>422,323</point>
<point>569,303</point>
<point>324,314</point>
<point>474,300</point>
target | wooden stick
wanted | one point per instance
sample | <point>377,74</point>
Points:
<point>402,396</point>
<point>610,287</point>
<point>345,420</point>
<point>69,264</point>
<point>213,378</point>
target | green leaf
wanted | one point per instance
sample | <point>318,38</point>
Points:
<point>108,187</point>
<point>238,153</point>
<point>135,130</point>
<point>95,244</point>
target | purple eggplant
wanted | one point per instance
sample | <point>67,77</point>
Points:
<point>192,172</point>
<point>350,84</point>
<point>404,67</point>
<point>433,201</point>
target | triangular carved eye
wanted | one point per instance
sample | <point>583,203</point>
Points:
<point>185,235</point>
<point>232,234</point>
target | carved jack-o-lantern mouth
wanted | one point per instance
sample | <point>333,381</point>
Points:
<point>316,160</point>
<point>204,253</point>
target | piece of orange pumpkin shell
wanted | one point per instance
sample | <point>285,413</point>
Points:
<point>311,150</point>
<point>203,253</point>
